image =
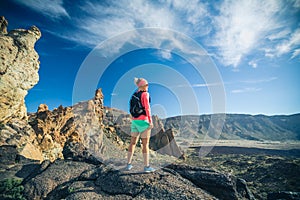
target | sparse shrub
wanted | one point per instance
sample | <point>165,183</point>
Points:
<point>71,189</point>
<point>11,189</point>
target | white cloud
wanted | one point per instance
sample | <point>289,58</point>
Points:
<point>244,90</point>
<point>242,25</point>
<point>289,44</point>
<point>237,29</point>
<point>166,55</point>
<point>253,63</point>
<point>296,53</point>
<point>296,4</point>
<point>259,80</point>
<point>106,21</point>
<point>207,84</point>
<point>98,21</point>
<point>50,8</point>
<point>279,35</point>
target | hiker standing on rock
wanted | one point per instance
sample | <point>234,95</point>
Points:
<point>141,124</point>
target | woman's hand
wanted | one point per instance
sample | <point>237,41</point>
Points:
<point>151,126</point>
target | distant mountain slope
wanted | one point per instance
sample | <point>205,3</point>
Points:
<point>240,126</point>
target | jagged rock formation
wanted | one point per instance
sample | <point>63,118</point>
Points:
<point>45,134</point>
<point>3,25</point>
<point>19,66</point>
<point>79,123</point>
<point>163,141</point>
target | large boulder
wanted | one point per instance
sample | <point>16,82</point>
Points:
<point>163,141</point>
<point>19,67</point>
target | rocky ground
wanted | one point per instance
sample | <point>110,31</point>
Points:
<point>80,176</point>
<point>265,171</point>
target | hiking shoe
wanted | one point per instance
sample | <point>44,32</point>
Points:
<point>149,169</point>
<point>128,167</point>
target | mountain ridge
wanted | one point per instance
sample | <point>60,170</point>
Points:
<point>241,126</point>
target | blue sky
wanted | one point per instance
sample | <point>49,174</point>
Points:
<point>254,45</point>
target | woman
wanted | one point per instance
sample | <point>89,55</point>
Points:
<point>141,125</point>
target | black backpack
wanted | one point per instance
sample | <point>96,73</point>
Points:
<point>136,107</point>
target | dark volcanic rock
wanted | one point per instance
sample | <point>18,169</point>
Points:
<point>78,152</point>
<point>164,143</point>
<point>284,195</point>
<point>59,172</point>
<point>223,186</point>
<point>65,179</point>
<point>77,180</point>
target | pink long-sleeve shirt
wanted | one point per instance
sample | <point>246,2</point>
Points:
<point>146,104</point>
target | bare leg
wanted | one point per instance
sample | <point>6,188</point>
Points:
<point>145,140</point>
<point>131,148</point>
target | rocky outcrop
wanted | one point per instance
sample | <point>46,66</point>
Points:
<point>164,143</point>
<point>3,25</point>
<point>81,123</point>
<point>19,67</point>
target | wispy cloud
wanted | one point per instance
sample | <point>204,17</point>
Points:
<point>253,63</point>
<point>121,16</point>
<point>242,25</point>
<point>245,90</point>
<point>51,8</point>
<point>289,45</point>
<point>233,29</point>
<point>207,84</point>
<point>199,85</point>
<point>163,54</point>
<point>259,80</point>
<point>295,53</point>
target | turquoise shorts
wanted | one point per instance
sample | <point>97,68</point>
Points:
<point>139,126</point>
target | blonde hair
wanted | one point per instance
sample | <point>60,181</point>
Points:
<point>136,81</point>
<point>140,82</point>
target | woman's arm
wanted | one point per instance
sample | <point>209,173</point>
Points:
<point>145,103</point>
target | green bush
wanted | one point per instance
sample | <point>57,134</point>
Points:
<point>11,189</point>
